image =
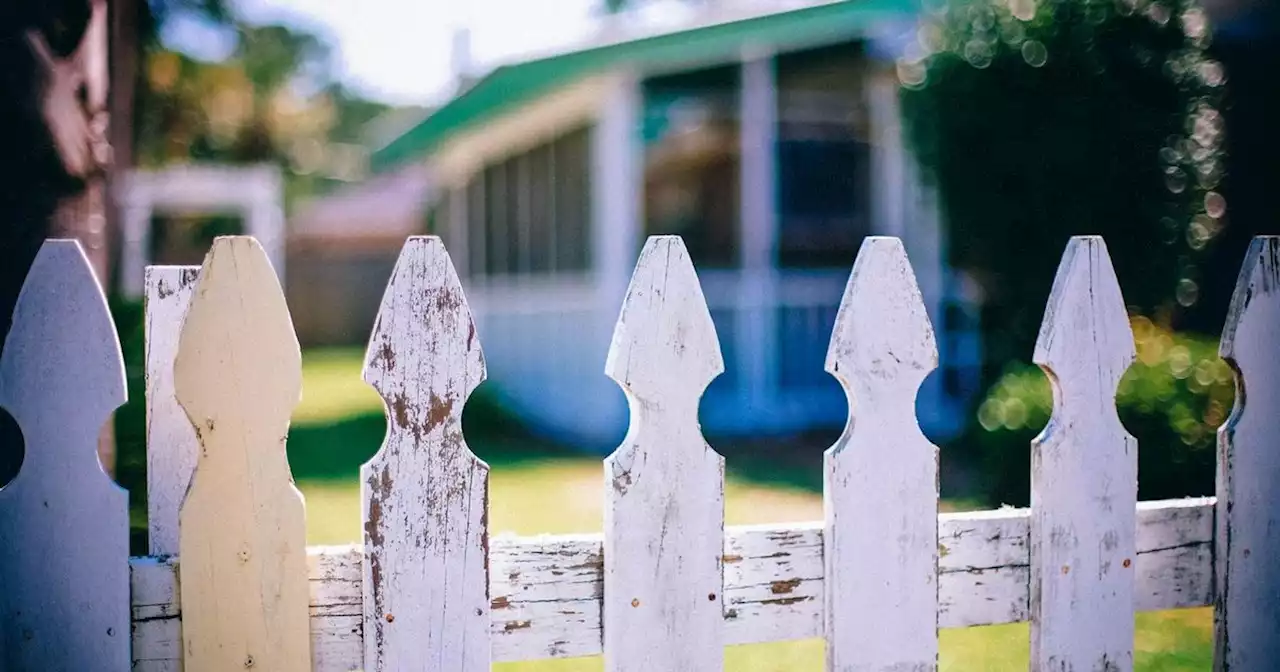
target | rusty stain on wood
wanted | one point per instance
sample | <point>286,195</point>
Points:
<point>783,587</point>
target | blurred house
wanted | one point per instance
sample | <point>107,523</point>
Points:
<point>766,134</point>
<point>341,249</point>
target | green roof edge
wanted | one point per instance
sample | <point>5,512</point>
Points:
<point>509,86</point>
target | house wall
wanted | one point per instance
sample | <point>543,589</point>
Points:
<point>333,289</point>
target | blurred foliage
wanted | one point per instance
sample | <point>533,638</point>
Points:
<point>1173,399</point>
<point>1038,120</point>
<point>273,100</point>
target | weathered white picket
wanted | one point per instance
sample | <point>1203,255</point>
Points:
<point>882,570</point>
<point>168,295</point>
<point>1084,474</point>
<point>664,487</point>
<point>1248,534</point>
<point>666,585</point>
<point>424,495</point>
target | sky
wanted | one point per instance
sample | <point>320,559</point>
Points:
<point>399,51</point>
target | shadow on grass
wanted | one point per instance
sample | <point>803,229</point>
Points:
<point>335,450</point>
<point>797,462</point>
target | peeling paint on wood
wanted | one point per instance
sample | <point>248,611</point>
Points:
<point>171,441</point>
<point>64,525</point>
<point>881,476</point>
<point>242,536</point>
<point>556,584</point>
<point>425,495</point>
<point>664,486</point>
<point>1084,475</point>
<point>1247,606</point>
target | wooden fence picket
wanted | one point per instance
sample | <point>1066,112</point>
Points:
<point>171,440</point>
<point>1247,600</point>
<point>231,585</point>
<point>64,525</point>
<point>881,476</point>
<point>243,564</point>
<point>425,495</point>
<point>664,486</point>
<point>1084,474</point>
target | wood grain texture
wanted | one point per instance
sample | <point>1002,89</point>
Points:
<point>64,525</point>
<point>1084,474</point>
<point>1247,608</point>
<point>547,591</point>
<point>425,495</point>
<point>242,538</point>
<point>881,476</point>
<point>171,440</point>
<point>664,486</point>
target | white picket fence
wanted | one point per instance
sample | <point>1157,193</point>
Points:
<point>230,584</point>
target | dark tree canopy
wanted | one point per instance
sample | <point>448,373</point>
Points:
<point>1038,121</point>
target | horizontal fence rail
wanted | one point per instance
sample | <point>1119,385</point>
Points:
<point>546,592</point>
<point>230,583</point>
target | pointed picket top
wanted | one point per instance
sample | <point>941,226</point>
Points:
<point>664,487</point>
<point>664,327</point>
<point>171,440</point>
<point>1247,599</point>
<point>1259,279</point>
<point>882,331</point>
<point>1084,474</point>
<point>64,343</point>
<point>425,495</point>
<point>64,525</point>
<point>881,571</point>
<point>242,525</point>
<point>1086,303</point>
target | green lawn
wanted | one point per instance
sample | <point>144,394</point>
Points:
<point>540,488</point>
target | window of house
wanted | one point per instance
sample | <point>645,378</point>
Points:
<point>571,207</point>
<point>530,213</point>
<point>692,130</point>
<point>823,157</point>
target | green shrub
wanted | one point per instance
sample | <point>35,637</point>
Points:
<point>1172,400</point>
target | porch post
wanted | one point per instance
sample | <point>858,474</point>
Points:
<point>758,193</point>
<point>616,226</point>
<point>617,191</point>
<point>902,205</point>
<point>888,186</point>
<point>457,228</point>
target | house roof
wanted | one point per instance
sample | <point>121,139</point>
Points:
<point>509,86</point>
<point>390,205</point>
